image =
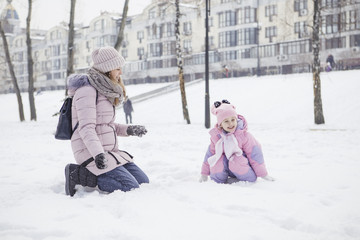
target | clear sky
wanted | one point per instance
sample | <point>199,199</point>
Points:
<point>49,13</point>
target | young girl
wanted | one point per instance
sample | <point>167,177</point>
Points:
<point>233,151</point>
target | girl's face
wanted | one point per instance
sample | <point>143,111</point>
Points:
<point>229,124</point>
<point>115,75</point>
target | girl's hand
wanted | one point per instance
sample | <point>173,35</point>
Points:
<point>268,178</point>
<point>203,178</point>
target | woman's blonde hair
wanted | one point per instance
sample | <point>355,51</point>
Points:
<point>121,83</point>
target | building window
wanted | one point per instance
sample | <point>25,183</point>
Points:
<point>124,53</point>
<point>169,48</point>
<point>339,42</point>
<point>187,46</point>
<point>113,39</point>
<point>100,41</point>
<point>355,40</point>
<point>53,35</point>
<point>100,25</point>
<point>19,57</point>
<point>247,15</point>
<point>48,76</point>
<point>300,28</point>
<point>140,36</point>
<point>64,63</point>
<point>140,53</point>
<point>56,64</point>
<point>167,63</point>
<point>227,18</point>
<point>270,11</point>
<point>228,39</point>
<point>155,49</point>
<point>343,22</point>
<point>155,31</point>
<point>267,51</point>
<point>354,18</point>
<point>300,5</point>
<point>163,11</point>
<point>245,53</point>
<point>155,64</point>
<point>331,24</point>
<point>187,28</point>
<point>36,55</point>
<point>295,47</point>
<point>229,55</point>
<point>247,36</point>
<point>20,69</point>
<point>169,29</point>
<point>198,59</point>
<point>270,32</point>
<point>57,75</point>
<point>141,66</point>
<point>152,13</point>
<point>56,50</point>
<point>330,3</point>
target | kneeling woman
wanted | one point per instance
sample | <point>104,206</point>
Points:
<point>94,142</point>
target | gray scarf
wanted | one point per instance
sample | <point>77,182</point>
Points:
<point>105,86</point>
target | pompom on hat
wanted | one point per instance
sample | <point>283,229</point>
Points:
<point>223,110</point>
<point>107,59</point>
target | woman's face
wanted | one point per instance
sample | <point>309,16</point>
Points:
<point>115,75</point>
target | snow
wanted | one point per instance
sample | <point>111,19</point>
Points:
<point>315,195</point>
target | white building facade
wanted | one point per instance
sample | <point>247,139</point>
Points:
<point>247,37</point>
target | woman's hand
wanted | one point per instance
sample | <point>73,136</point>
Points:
<point>100,161</point>
<point>136,130</point>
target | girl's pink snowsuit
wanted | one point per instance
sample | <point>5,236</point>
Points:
<point>246,167</point>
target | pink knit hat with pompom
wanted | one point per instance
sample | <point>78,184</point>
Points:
<point>223,111</point>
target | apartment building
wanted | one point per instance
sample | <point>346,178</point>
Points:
<point>246,37</point>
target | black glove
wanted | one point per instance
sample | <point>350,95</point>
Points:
<point>136,130</point>
<point>100,161</point>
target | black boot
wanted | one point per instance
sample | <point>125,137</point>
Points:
<point>78,174</point>
<point>71,178</point>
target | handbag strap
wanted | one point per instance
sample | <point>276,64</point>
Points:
<point>84,164</point>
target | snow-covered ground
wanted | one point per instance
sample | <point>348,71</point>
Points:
<point>315,196</point>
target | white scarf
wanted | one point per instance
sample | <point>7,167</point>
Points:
<point>227,144</point>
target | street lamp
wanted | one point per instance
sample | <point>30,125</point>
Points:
<point>207,96</point>
<point>258,69</point>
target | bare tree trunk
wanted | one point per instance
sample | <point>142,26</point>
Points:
<point>318,111</point>
<point>30,65</point>
<point>12,73</point>
<point>70,50</point>
<point>120,36</point>
<point>180,64</point>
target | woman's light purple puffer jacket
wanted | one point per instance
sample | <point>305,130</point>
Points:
<point>97,132</point>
